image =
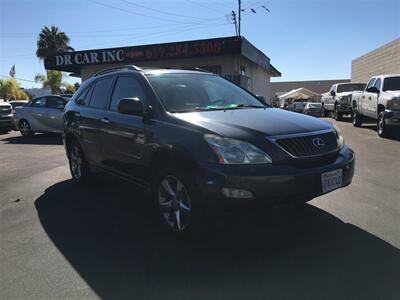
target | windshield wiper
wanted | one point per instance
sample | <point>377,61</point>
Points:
<point>250,105</point>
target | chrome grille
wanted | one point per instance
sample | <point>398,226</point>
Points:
<point>310,145</point>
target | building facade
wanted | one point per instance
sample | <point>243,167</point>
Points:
<point>234,58</point>
<point>383,60</point>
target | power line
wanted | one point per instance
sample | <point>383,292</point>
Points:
<point>167,13</point>
<point>7,76</point>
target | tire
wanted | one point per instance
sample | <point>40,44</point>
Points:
<point>337,115</point>
<point>382,128</point>
<point>357,119</point>
<point>25,128</point>
<point>78,165</point>
<point>177,202</point>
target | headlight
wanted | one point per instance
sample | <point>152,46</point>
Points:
<point>393,104</point>
<point>339,136</point>
<point>231,151</point>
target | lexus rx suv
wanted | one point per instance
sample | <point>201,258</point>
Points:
<point>198,141</point>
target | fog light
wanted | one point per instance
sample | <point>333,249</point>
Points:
<point>236,193</point>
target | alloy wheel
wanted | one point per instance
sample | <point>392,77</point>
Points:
<point>75,162</point>
<point>174,203</point>
<point>381,124</point>
<point>25,128</point>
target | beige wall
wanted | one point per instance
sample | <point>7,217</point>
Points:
<point>260,78</point>
<point>384,60</point>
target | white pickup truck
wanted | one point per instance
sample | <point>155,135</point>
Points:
<point>337,101</point>
<point>380,101</point>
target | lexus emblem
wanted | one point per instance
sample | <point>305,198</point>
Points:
<point>318,142</point>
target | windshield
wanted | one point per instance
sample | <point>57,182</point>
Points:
<point>314,105</point>
<point>350,87</point>
<point>189,92</point>
<point>391,84</point>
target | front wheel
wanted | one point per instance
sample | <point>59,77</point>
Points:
<point>25,128</point>
<point>337,114</point>
<point>357,119</point>
<point>177,202</point>
<point>382,128</point>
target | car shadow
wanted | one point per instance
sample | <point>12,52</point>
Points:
<point>111,236</point>
<point>37,139</point>
<point>394,135</point>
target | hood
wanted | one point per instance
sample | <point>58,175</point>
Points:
<point>241,122</point>
<point>393,93</point>
<point>344,94</point>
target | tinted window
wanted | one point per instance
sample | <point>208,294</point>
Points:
<point>55,102</point>
<point>350,87</point>
<point>378,83</point>
<point>85,96</point>
<point>391,84</point>
<point>126,87</point>
<point>41,102</point>
<point>100,93</point>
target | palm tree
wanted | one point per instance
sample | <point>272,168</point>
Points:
<point>52,41</point>
<point>53,80</point>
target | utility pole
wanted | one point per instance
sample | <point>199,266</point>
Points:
<point>239,14</point>
<point>234,21</point>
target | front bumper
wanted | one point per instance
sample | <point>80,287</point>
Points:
<point>392,117</point>
<point>270,184</point>
<point>344,108</point>
<point>6,123</point>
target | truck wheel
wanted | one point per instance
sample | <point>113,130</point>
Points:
<point>338,115</point>
<point>382,128</point>
<point>175,196</point>
<point>357,119</point>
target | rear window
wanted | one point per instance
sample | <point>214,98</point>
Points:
<point>342,88</point>
<point>391,84</point>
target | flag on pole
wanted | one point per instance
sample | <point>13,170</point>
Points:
<point>12,71</point>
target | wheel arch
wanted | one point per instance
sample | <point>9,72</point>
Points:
<point>380,109</point>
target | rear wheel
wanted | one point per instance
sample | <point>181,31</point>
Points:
<point>357,119</point>
<point>382,128</point>
<point>25,128</point>
<point>79,167</point>
<point>177,201</point>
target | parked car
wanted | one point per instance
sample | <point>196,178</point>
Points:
<point>337,102</point>
<point>298,105</point>
<point>41,114</point>
<point>198,140</point>
<point>313,109</point>
<point>14,104</point>
<point>379,101</point>
<point>5,117</point>
<point>66,96</point>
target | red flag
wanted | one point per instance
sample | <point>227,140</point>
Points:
<point>12,71</point>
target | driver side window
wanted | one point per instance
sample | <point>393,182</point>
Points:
<point>41,102</point>
<point>370,83</point>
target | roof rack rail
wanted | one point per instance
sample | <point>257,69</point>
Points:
<point>126,67</point>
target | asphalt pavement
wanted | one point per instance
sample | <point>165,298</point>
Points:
<point>59,240</point>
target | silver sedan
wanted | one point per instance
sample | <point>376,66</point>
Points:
<point>41,114</point>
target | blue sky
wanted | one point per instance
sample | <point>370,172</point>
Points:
<point>305,39</point>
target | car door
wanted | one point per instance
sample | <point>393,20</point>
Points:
<point>373,98</point>
<point>90,118</point>
<point>366,99</point>
<point>125,134</point>
<point>330,103</point>
<point>54,114</point>
<point>36,114</point>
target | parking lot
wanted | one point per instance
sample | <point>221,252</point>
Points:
<point>104,241</point>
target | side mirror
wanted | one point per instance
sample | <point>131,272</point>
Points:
<point>130,106</point>
<point>261,98</point>
<point>333,93</point>
<point>373,89</point>
<point>79,101</point>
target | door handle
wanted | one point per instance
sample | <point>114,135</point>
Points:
<point>363,97</point>
<point>369,98</point>
<point>105,120</point>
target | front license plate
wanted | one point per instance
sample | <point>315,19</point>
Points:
<point>331,180</point>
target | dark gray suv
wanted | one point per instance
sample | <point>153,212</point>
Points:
<point>197,140</point>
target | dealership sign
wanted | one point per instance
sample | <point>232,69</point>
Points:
<point>72,61</point>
